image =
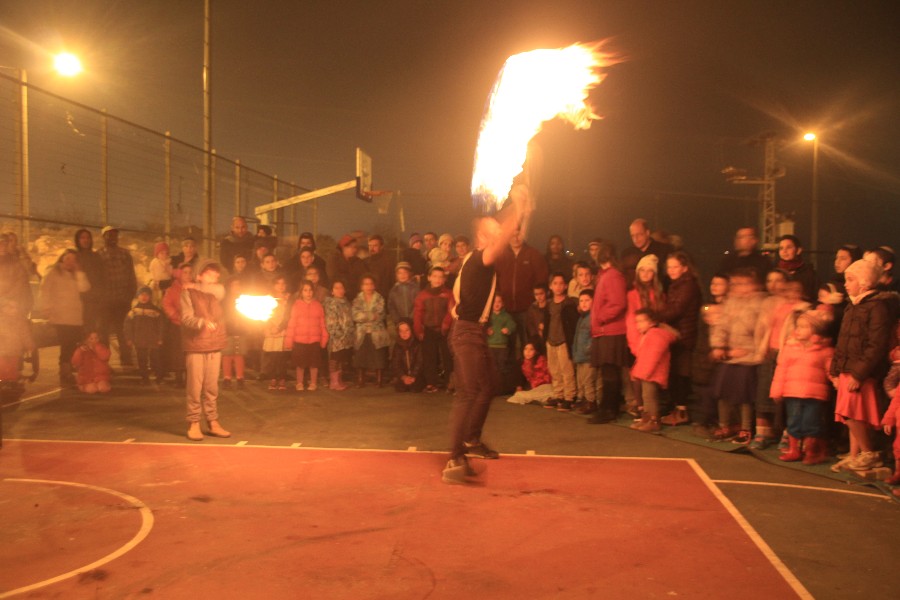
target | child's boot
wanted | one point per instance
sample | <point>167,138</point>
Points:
<point>217,430</point>
<point>814,451</point>
<point>194,434</point>
<point>793,453</point>
<point>336,384</point>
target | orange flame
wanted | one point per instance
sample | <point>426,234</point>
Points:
<point>532,87</point>
<point>257,308</point>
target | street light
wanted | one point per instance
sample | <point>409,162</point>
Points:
<point>814,207</point>
<point>67,64</point>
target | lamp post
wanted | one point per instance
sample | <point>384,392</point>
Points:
<point>814,205</point>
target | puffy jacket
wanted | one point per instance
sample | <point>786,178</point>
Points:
<point>144,326</point>
<point>536,372</point>
<point>92,364</point>
<point>60,298</point>
<point>306,324</point>
<point>802,370</point>
<point>653,357</point>
<point>633,299</point>
<point>736,329</point>
<point>865,338</point>
<point>581,343</point>
<point>431,310</point>
<point>608,310</point>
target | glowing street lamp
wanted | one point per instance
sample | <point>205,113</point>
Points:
<point>67,64</point>
<point>814,205</point>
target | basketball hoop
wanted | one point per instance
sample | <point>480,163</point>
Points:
<point>382,199</point>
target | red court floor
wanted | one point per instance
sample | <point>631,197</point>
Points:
<point>186,521</point>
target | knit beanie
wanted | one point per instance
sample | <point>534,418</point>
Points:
<point>159,247</point>
<point>648,262</point>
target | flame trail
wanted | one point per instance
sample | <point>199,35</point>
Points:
<point>257,308</point>
<point>532,87</point>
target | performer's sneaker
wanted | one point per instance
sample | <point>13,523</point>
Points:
<point>480,450</point>
<point>458,471</point>
<point>565,405</point>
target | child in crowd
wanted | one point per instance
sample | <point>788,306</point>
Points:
<point>15,340</point>
<point>233,356</point>
<point>402,296</point>
<point>501,327</point>
<point>275,357</point>
<point>406,360</point>
<point>651,365</point>
<point>560,333</point>
<point>144,331</point>
<point>583,279</point>
<point>171,305</point>
<point>777,317</point>
<point>534,369</point>
<point>801,382</point>
<point>160,270</point>
<point>372,339</point>
<point>861,346</point>
<point>536,317</point>
<point>736,345</point>
<point>703,367</point>
<point>320,292</point>
<point>306,335</point>
<point>91,359</point>
<point>341,335</point>
<point>440,255</point>
<point>585,373</point>
<point>645,293</point>
<point>431,323</point>
<point>889,425</point>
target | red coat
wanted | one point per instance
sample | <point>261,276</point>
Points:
<point>652,359</point>
<point>431,310</point>
<point>536,372</point>
<point>802,371</point>
<point>306,325</point>
<point>92,365</point>
<point>890,416</point>
<point>608,311</point>
<point>634,304</point>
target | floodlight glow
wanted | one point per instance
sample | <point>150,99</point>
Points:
<point>67,64</point>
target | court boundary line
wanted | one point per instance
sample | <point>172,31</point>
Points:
<point>751,532</point>
<point>801,487</point>
<point>35,397</point>
<point>147,521</point>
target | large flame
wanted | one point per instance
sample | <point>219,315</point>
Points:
<point>532,87</point>
<point>258,308</point>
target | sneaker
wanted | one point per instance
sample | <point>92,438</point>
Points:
<point>565,405</point>
<point>723,433</point>
<point>552,403</point>
<point>865,461</point>
<point>841,464</point>
<point>457,472</point>
<point>761,442</point>
<point>273,385</point>
<point>677,417</point>
<point>635,411</point>
<point>785,442</point>
<point>743,438</point>
<point>282,386</point>
<point>481,450</point>
<point>299,386</point>
<point>651,425</point>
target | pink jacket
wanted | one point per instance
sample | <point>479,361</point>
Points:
<point>802,371</point>
<point>306,325</point>
<point>634,304</point>
<point>890,416</point>
<point>653,357</point>
<point>608,312</point>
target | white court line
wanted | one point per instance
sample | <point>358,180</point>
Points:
<point>35,397</point>
<point>757,539</point>
<point>143,532</point>
<point>242,443</point>
<point>129,440</point>
<point>803,487</point>
<point>530,453</point>
<point>295,445</point>
<point>412,449</point>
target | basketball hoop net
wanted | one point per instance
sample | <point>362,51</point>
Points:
<point>381,198</point>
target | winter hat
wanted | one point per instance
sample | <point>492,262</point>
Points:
<point>445,237</point>
<point>346,240</point>
<point>159,247</point>
<point>648,262</point>
<point>403,265</point>
<point>415,238</point>
<point>107,229</point>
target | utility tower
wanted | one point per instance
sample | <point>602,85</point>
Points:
<point>766,183</point>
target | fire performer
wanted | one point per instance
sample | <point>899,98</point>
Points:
<point>474,290</point>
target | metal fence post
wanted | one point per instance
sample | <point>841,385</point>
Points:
<point>24,176</point>
<point>104,167</point>
<point>237,187</point>
<point>212,204</point>
<point>167,193</point>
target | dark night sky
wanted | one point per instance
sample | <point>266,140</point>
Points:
<point>298,85</point>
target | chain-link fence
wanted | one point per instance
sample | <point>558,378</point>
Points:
<point>64,165</point>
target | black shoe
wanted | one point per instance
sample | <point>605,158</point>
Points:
<point>480,450</point>
<point>552,403</point>
<point>601,417</point>
<point>565,405</point>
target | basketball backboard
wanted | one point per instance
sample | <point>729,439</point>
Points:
<point>363,175</point>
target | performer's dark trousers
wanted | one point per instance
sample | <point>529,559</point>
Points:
<point>476,376</point>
